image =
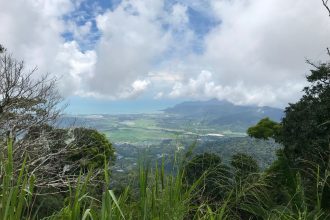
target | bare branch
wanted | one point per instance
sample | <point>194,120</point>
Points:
<point>28,107</point>
<point>325,4</point>
<point>25,100</point>
<point>2,49</point>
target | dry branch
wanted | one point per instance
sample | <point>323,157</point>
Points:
<point>325,3</point>
<point>25,100</point>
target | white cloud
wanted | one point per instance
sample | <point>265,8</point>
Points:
<point>178,17</point>
<point>255,55</point>
<point>159,95</point>
<point>80,32</point>
<point>36,38</point>
<point>76,66</point>
<point>132,39</point>
<point>204,87</point>
<point>257,52</point>
<point>138,87</point>
<point>165,76</point>
<point>132,91</point>
<point>266,42</point>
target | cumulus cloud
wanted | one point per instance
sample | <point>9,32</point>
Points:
<point>256,54</point>
<point>178,17</point>
<point>134,40</point>
<point>80,32</point>
<point>77,66</point>
<point>36,38</point>
<point>266,42</point>
<point>253,53</point>
<point>131,40</point>
<point>204,87</point>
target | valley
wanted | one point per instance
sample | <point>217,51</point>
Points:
<point>161,135</point>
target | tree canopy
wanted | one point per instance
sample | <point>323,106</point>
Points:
<point>76,149</point>
<point>213,175</point>
<point>265,129</point>
<point>244,165</point>
<point>306,126</point>
<point>91,148</point>
<point>25,100</point>
<point>305,129</point>
<point>304,133</point>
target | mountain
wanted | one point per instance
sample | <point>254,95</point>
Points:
<point>224,113</point>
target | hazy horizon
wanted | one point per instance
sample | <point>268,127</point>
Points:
<point>90,106</point>
<point>77,105</point>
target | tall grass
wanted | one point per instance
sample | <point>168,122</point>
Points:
<point>16,190</point>
<point>161,195</point>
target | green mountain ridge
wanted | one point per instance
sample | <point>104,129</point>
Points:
<point>224,113</point>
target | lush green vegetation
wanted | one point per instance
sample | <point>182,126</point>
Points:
<point>138,129</point>
<point>200,188</point>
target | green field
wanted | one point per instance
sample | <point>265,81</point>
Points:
<point>152,128</point>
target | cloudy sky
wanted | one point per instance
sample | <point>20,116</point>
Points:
<point>125,54</point>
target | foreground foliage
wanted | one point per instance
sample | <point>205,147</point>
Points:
<point>170,196</point>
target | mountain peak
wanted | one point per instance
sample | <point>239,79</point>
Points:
<point>216,111</point>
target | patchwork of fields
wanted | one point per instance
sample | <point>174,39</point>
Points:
<point>142,129</point>
<point>158,136</point>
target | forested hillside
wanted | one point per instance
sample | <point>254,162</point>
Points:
<point>215,113</point>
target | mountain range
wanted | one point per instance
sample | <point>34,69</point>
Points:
<point>224,113</point>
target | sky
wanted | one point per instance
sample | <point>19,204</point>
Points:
<point>113,56</point>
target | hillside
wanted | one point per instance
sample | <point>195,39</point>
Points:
<point>224,114</point>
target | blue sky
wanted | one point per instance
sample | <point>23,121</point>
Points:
<point>136,55</point>
<point>199,22</point>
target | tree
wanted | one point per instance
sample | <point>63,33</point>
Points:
<point>306,125</point>
<point>213,175</point>
<point>325,4</point>
<point>25,99</point>
<point>305,128</point>
<point>2,49</point>
<point>57,156</point>
<point>28,101</point>
<point>305,135</point>
<point>265,129</point>
<point>91,148</point>
<point>244,165</point>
